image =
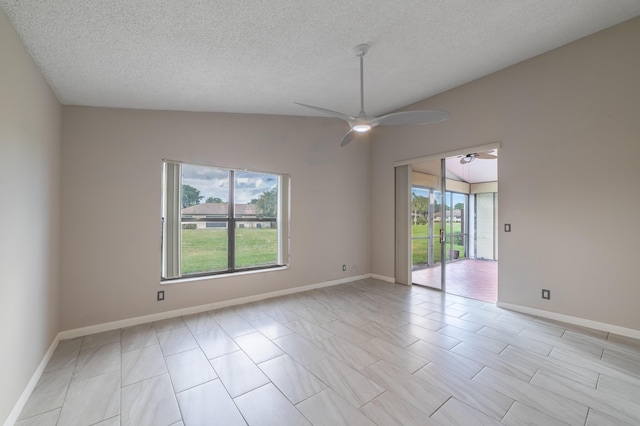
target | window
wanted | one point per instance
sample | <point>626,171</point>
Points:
<point>427,220</point>
<point>456,227</point>
<point>219,221</point>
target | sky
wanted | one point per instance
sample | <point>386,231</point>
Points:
<point>420,192</point>
<point>214,182</point>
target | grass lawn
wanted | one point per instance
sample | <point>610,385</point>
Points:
<point>419,252</point>
<point>205,250</point>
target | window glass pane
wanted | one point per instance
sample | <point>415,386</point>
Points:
<point>458,225</point>
<point>420,226</point>
<point>256,244</point>
<point>437,246</point>
<point>256,195</point>
<point>459,208</point>
<point>437,226</point>
<point>225,220</point>
<point>205,191</point>
<point>205,196</point>
<point>204,247</point>
<point>419,211</point>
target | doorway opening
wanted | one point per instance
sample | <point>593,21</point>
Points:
<point>454,217</point>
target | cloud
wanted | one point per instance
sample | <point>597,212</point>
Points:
<point>190,171</point>
<point>214,182</point>
<point>250,185</point>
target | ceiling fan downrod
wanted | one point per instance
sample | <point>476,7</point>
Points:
<point>361,50</point>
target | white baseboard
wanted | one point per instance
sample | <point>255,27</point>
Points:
<point>602,326</point>
<point>19,405</point>
<point>114,325</point>
<point>381,278</point>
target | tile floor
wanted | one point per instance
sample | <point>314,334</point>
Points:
<point>362,353</point>
<point>477,279</point>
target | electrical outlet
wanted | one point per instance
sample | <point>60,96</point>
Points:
<point>546,294</point>
<point>344,268</point>
<point>507,227</point>
<point>161,295</point>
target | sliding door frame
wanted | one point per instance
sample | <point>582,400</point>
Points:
<point>443,224</point>
<point>403,225</point>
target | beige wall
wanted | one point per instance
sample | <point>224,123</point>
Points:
<point>480,188</point>
<point>568,125</point>
<point>111,180</point>
<point>29,216</point>
<point>568,173</point>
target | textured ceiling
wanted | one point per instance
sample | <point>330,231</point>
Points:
<point>259,56</point>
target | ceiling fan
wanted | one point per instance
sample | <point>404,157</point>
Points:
<point>466,159</point>
<point>363,123</point>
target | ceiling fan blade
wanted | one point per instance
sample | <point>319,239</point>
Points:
<point>412,117</point>
<point>348,137</point>
<point>336,114</point>
<point>486,156</point>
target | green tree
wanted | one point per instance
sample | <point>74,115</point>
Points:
<point>190,196</point>
<point>459,206</point>
<point>215,200</point>
<point>267,203</point>
<point>419,207</point>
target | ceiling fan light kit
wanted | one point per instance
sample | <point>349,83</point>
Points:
<point>362,123</point>
<point>466,159</point>
<point>361,128</point>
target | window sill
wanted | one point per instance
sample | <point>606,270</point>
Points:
<point>218,276</point>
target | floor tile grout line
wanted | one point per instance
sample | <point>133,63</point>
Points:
<point>392,309</point>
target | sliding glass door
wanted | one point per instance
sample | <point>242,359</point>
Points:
<point>427,232</point>
<point>439,227</point>
<point>444,220</point>
<point>456,225</point>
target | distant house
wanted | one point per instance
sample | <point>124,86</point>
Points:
<point>209,215</point>
<point>456,214</point>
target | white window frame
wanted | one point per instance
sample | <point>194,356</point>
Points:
<point>172,223</point>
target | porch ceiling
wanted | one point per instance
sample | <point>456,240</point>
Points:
<point>477,171</point>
